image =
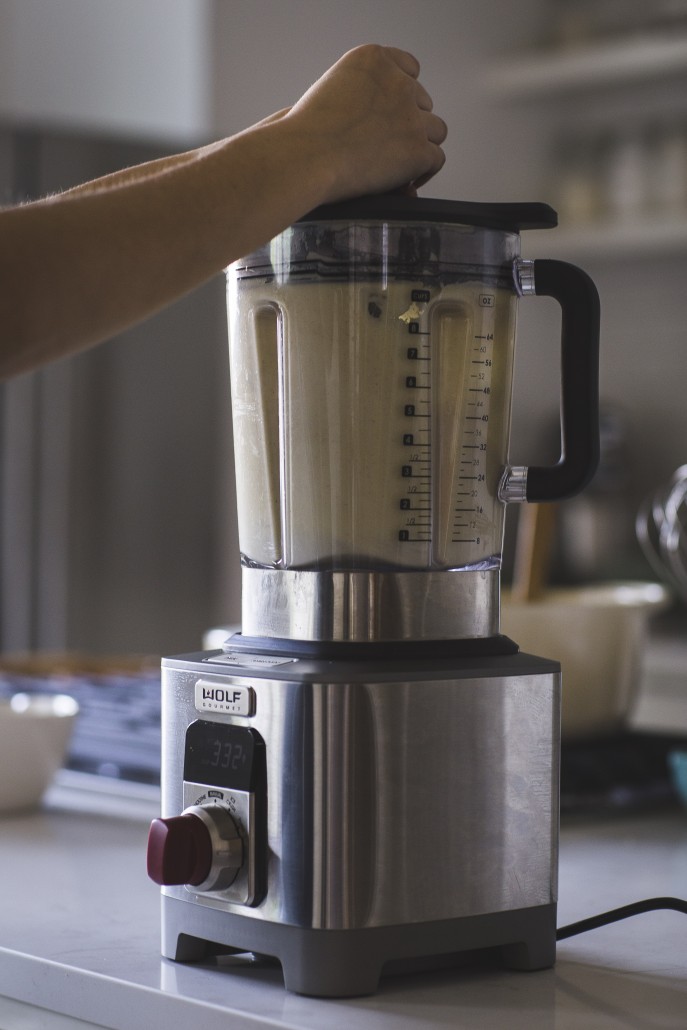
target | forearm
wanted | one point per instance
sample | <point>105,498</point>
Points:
<point>85,265</point>
<point>135,173</point>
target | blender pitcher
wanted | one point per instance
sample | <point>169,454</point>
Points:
<point>371,355</point>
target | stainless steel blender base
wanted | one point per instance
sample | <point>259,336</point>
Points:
<point>349,963</point>
<point>397,809</point>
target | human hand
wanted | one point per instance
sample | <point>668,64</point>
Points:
<point>369,120</point>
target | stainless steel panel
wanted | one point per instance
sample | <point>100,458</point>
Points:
<point>370,606</point>
<point>394,802</point>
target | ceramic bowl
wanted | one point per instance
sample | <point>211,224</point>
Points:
<point>598,634</point>
<point>35,730</point>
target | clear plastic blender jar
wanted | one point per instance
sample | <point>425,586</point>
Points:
<point>371,356</point>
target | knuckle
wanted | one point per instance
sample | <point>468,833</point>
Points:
<point>372,52</point>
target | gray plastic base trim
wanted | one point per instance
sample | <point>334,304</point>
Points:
<point>346,963</point>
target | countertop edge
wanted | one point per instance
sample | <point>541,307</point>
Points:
<point>86,995</point>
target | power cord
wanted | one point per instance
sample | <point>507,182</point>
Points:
<point>635,909</point>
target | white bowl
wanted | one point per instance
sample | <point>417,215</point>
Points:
<point>35,730</point>
<point>598,634</point>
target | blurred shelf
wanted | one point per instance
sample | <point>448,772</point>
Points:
<point>612,240</point>
<point>621,61</point>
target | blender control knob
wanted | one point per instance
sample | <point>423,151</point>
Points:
<point>179,850</point>
<point>201,847</point>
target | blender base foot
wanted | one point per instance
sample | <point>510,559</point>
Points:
<point>349,963</point>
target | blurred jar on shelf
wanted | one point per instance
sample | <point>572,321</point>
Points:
<point>621,174</point>
<point>667,168</point>
<point>626,173</point>
<point>577,181</point>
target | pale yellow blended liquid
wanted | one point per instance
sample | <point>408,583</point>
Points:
<point>370,424</point>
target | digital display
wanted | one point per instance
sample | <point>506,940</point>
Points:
<point>221,755</point>
<point>226,754</point>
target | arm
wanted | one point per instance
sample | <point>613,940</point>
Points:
<point>82,266</point>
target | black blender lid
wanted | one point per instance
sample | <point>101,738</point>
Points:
<point>394,207</point>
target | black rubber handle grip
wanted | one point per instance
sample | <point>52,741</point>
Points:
<point>580,311</point>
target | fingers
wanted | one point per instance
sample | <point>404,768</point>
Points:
<point>437,130</point>
<point>405,60</point>
<point>436,127</point>
<point>424,101</point>
<point>423,179</point>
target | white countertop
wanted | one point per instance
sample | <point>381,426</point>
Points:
<point>79,936</point>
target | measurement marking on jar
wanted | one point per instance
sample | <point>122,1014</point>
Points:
<point>468,509</point>
<point>470,493</point>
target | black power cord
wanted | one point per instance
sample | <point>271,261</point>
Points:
<point>635,909</point>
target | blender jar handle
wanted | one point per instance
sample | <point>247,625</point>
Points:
<point>579,301</point>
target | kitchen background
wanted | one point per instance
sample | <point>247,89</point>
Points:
<point>117,529</point>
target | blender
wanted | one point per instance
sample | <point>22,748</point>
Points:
<point>365,778</point>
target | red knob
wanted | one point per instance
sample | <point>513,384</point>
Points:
<point>179,850</point>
